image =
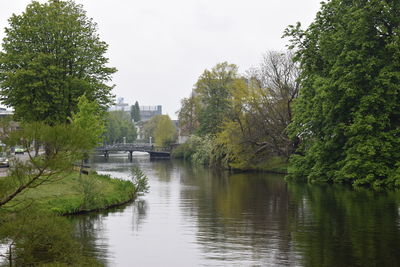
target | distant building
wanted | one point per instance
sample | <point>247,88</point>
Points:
<point>148,112</point>
<point>120,105</point>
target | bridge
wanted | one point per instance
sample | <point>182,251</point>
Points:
<point>154,151</point>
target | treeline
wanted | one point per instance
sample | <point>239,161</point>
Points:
<point>331,109</point>
<point>239,121</point>
<point>348,112</point>
<point>119,128</point>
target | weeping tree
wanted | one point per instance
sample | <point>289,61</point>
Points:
<point>348,114</point>
<point>51,55</point>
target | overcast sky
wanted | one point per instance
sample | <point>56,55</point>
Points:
<point>161,47</point>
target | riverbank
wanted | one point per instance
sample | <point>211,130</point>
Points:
<point>272,165</point>
<point>78,194</point>
<point>207,151</point>
<point>200,156</point>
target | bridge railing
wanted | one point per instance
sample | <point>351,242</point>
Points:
<point>134,147</point>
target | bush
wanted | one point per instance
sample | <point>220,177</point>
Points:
<point>139,181</point>
<point>196,149</point>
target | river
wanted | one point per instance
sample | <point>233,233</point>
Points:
<point>194,216</point>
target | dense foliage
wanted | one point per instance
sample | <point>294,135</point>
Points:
<point>51,56</point>
<point>90,119</point>
<point>196,149</point>
<point>253,113</point>
<point>213,90</point>
<point>161,129</point>
<point>119,127</point>
<point>261,109</point>
<point>348,112</point>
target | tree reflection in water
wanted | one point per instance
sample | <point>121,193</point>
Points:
<point>138,214</point>
<point>339,226</point>
<point>245,219</point>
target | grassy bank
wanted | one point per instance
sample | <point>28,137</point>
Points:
<point>74,194</point>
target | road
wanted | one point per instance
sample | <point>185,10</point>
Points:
<point>4,170</point>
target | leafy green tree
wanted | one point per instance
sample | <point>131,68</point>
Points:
<point>161,129</point>
<point>149,127</point>
<point>214,91</point>
<point>135,112</point>
<point>118,126</point>
<point>348,113</point>
<point>90,119</point>
<point>165,132</point>
<point>51,55</point>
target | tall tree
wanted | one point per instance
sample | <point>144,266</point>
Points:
<point>348,113</point>
<point>161,129</point>
<point>165,132</point>
<point>51,55</point>
<point>214,91</point>
<point>150,126</point>
<point>188,115</point>
<point>273,88</point>
<point>135,112</point>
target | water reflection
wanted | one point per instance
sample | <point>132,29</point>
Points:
<point>138,214</point>
<point>242,218</point>
<point>194,216</point>
<point>337,226</point>
<point>88,229</point>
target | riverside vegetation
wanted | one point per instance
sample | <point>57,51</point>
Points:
<point>239,121</point>
<point>47,185</point>
<point>328,109</point>
<point>60,95</point>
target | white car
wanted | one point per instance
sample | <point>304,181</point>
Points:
<point>4,159</point>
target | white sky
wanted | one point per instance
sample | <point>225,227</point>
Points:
<point>161,47</point>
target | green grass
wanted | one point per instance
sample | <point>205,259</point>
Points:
<point>74,194</point>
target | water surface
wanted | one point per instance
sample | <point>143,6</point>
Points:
<point>194,216</point>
